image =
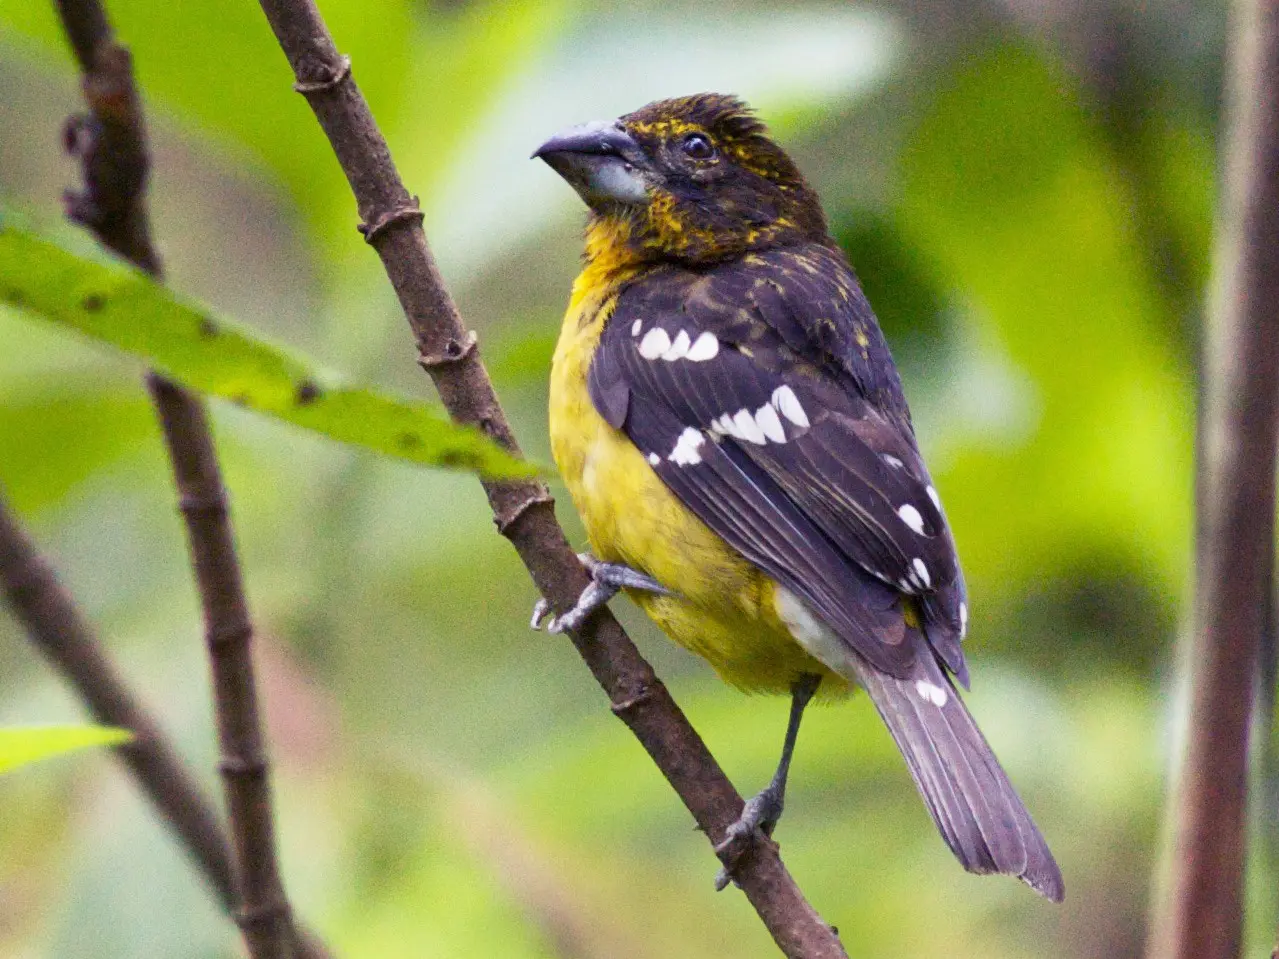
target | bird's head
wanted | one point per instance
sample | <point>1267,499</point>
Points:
<point>694,180</point>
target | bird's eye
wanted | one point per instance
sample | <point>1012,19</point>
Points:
<point>698,147</point>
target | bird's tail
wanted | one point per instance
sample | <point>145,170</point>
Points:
<point>968,795</point>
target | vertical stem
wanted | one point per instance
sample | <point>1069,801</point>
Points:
<point>264,911</point>
<point>111,144</point>
<point>1202,917</point>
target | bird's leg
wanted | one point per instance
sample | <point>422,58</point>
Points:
<point>763,810</point>
<point>606,580</point>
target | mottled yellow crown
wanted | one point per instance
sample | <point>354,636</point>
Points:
<point>719,186</point>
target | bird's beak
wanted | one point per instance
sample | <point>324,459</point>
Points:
<point>601,161</point>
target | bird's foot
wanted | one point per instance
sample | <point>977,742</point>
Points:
<point>606,580</point>
<point>761,812</point>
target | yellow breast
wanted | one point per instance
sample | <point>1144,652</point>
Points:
<point>724,607</point>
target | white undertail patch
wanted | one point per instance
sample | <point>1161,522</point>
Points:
<point>819,640</point>
<point>931,692</point>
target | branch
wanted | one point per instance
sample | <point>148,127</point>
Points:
<point>61,634</point>
<point>111,144</point>
<point>264,915</point>
<point>1202,917</point>
<point>524,511</point>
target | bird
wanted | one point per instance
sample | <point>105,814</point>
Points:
<point>728,420</point>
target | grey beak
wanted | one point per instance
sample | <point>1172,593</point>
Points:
<point>600,138</point>
<point>601,161</point>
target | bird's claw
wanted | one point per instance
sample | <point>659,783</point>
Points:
<point>620,576</point>
<point>760,813</point>
<point>606,580</point>
<point>541,609</point>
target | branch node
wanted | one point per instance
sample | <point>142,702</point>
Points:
<point>409,213</point>
<point>632,703</point>
<point>253,919</point>
<point>455,351</point>
<point>308,87</point>
<point>243,766</point>
<point>506,521</point>
<point>193,503</point>
<point>219,636</point>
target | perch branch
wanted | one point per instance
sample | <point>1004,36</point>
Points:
<point>1202,917</point>
<point>524,511</point>
<point>111,144</point>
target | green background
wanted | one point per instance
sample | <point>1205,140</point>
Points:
<point>1027,192</point>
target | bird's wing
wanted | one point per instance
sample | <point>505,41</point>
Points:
<point>762,394</point>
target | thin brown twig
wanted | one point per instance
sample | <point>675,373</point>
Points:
<point>524,511</point>
<point>1202,917</point>
<point>263,914</point>
<point>111,144</point>
<point>62,636</point>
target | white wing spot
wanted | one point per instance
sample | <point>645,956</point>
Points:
<point>636,327</point>
<point>931,692</point>
<point>705,347</point>
<point>893,461</point>
<point>686,447</point>
<point>653,459</point>
<point>724,426</point>
<point>678,348</point>
<point>963,619</point>
<point>932,495</point>
<point>906,586</point>
<point>922,572</point>
<point>911,517</point>
<point>789,406</point>
<point>767,419</point>
<point>747,428</point>
<point>654,344</point>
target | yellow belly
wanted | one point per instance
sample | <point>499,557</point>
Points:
<point>724,607</point>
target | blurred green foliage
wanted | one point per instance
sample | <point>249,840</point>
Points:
<point>1032,221</point>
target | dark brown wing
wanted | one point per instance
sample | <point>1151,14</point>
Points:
<point>763,395</point>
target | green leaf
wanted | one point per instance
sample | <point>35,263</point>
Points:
<point>27,744</point>
<point>119,306</point>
